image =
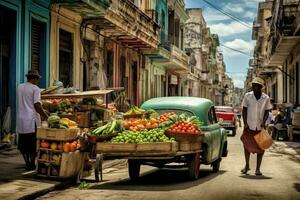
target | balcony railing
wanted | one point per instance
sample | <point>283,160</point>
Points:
<point>153,15</point>
<point>286,23</point>
<point>129,11</point>
<point>178,53</point>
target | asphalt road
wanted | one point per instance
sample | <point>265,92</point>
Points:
<point>280,180</point>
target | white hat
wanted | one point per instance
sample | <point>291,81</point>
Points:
<point>259,81</point>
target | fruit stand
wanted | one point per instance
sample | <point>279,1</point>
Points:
<point>152,139</point>
<point>60,152</point>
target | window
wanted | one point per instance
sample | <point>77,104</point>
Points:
<point>123,78</point>
<point>212,119</point>
<point>66,58</point>
<point>38,48</point>
<point>109,68</point>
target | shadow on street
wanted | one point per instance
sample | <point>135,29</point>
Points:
<point>161,180</point>
<point>254,177</point>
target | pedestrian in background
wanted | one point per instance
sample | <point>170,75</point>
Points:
<point>29,111</point>
<point>256,106</point>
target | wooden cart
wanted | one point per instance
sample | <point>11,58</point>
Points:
<point>153,154</point>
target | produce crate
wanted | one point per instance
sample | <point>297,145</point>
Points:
<point>103,147</point>
<point>71,165</point>
<point>85,108</point>
<point>189,146</point>
<point>134,149</point>
<point>57,134</point>
<point>157,147</point>
<point>83,119</point>
<point>184,137</point>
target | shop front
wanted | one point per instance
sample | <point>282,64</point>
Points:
<point>24,45</point>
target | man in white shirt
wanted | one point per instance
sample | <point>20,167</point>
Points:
<point>29,111</point>
<point>256,106</point>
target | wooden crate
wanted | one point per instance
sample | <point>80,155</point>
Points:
<point>189,146</point>
<point>102,147</point>
<point>133,149</point>
<point>57,134</point>
<point>157,147</point>
<point>71,165</point>
<point>83,119</point>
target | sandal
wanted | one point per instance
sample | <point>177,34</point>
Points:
<point>245,170</point>
<point>258,173</point>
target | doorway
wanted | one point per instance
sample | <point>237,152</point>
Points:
<point>7,61</point>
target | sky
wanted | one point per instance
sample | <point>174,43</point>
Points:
<point>231,33</point>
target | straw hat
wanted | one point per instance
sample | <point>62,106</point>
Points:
<point>259,81</point>
<point>33,73</point>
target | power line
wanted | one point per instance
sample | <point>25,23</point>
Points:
<point>236,50</point>
<point>228,14</point>
<point>221,44</point>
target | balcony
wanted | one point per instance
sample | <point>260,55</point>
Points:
<point>86,8</point>
<point>153,15</point>
<point>126,23</point>
<point>284,33</point>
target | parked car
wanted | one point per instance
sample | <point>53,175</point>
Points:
<point>214,143</point>
<point>227,118</point>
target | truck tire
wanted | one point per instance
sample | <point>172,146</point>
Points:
<point>225,150</point>
<point>134,169</point>
<point>216,165</point>
<point>194,166</point>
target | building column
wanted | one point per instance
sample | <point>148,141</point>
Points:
<point>280,89</point>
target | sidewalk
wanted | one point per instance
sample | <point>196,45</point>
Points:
<point>289,148</point>
<point>16,183</point>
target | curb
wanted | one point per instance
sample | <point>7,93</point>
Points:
<point>67,183</point>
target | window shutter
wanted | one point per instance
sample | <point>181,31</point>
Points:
<point>35,44</point>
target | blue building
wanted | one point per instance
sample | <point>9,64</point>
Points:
<point>24,44</point>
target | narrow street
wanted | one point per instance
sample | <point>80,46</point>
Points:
<point>280,180</point>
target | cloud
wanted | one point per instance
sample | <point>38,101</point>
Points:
<point>234,7</point>
<point>211,15</point>
<point>240,45</point>
<point>232,28</point>
<point>250,15</point>
<point>238,79</point>
<point>238,83</point>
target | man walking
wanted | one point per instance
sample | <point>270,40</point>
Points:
<point>29,111</point>
<point>256,106</point>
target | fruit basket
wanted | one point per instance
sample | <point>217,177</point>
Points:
<point>183,137</point>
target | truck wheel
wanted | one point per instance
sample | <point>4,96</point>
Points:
<point>134,169</point>
<point>216,165</point>
<point>194,165</point>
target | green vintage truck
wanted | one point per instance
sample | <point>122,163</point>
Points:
<point>214,142</point>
